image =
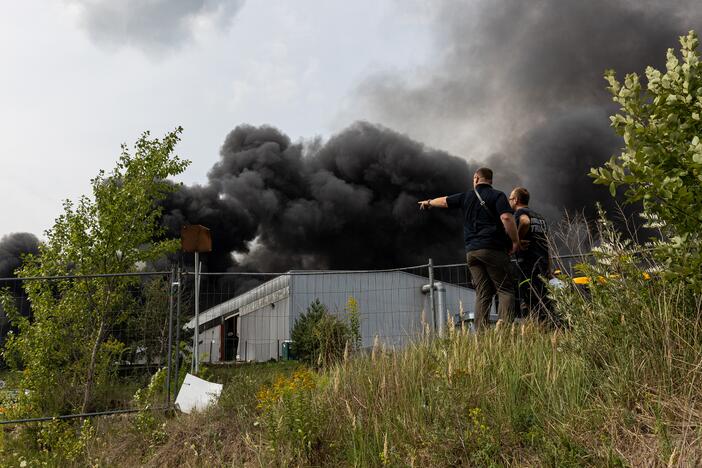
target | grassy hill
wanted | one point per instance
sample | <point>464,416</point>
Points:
<point>618,386</point>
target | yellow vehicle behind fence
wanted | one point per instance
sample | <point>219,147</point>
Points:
<point>602,279</point>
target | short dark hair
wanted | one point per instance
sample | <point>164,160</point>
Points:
<point>522,195</point>
<point>484,173</point>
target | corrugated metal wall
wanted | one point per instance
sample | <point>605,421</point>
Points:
<point>210,341</point>
<point>390,303</point>
<point>391,306</point>
<point>262,330</point>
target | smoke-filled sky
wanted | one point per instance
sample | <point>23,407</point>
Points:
<point>518,85</point>
<point>446,85</point>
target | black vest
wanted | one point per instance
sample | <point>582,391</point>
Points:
<point>538,243</point>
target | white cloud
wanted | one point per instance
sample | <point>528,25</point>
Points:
<point>153,26</point>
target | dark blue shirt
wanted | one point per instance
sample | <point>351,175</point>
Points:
<point>482,227</point>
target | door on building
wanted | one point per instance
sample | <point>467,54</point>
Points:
<point>231,338</point>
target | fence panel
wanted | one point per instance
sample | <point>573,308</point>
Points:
<point>105,334</point>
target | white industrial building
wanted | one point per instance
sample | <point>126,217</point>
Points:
<point>392,305</point>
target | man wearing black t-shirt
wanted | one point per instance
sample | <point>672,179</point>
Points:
<point>490,236</point>
<point>533,260</point>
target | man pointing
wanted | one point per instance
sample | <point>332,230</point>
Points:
<point>490,236</point>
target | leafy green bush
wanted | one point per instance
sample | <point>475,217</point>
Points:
<point>661,164</point>
<point>318,337</point>
<point>304,342</point>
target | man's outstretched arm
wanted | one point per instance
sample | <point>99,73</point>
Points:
<point>433,203</point>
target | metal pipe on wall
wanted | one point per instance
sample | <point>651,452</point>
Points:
<point>441,305</point>
<point>432,308</point>
<point>441,315</point>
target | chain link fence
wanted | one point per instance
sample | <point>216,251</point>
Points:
<point>107,335</point>
<point>148,323</point>
<point>249,317</point>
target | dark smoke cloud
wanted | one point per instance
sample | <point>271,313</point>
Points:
<point>153,25</point>
<point>518,85</point>
<point>348,203</point>
<point>12,248</point>
<point>231,225</point>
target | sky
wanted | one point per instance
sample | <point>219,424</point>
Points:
<point>80,77</point>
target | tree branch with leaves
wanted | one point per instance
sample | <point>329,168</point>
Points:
<point>69,349</point>
<point>661,162</point>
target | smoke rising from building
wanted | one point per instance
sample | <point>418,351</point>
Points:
<point>348,203</point>
<point>516,86</point>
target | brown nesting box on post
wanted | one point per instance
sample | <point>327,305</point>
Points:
<point>195,238</point>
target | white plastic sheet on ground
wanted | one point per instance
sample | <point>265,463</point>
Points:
<point>196,394</point>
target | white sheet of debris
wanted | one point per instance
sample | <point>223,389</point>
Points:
<point>196,394</point>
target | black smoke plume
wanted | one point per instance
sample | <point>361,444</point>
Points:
<point>348,203</point>
<point>12,248</point>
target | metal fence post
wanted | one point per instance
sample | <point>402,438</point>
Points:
<point>431,293</point>
<point>196,338</point>
<point>177,340</point>
<point>170,334</point>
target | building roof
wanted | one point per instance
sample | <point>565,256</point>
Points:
<point>240,303</point>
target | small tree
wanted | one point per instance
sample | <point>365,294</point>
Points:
<point>661,164</point>
<point>318,337</point>
<point>305,345</point>
<point>68,349</point>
